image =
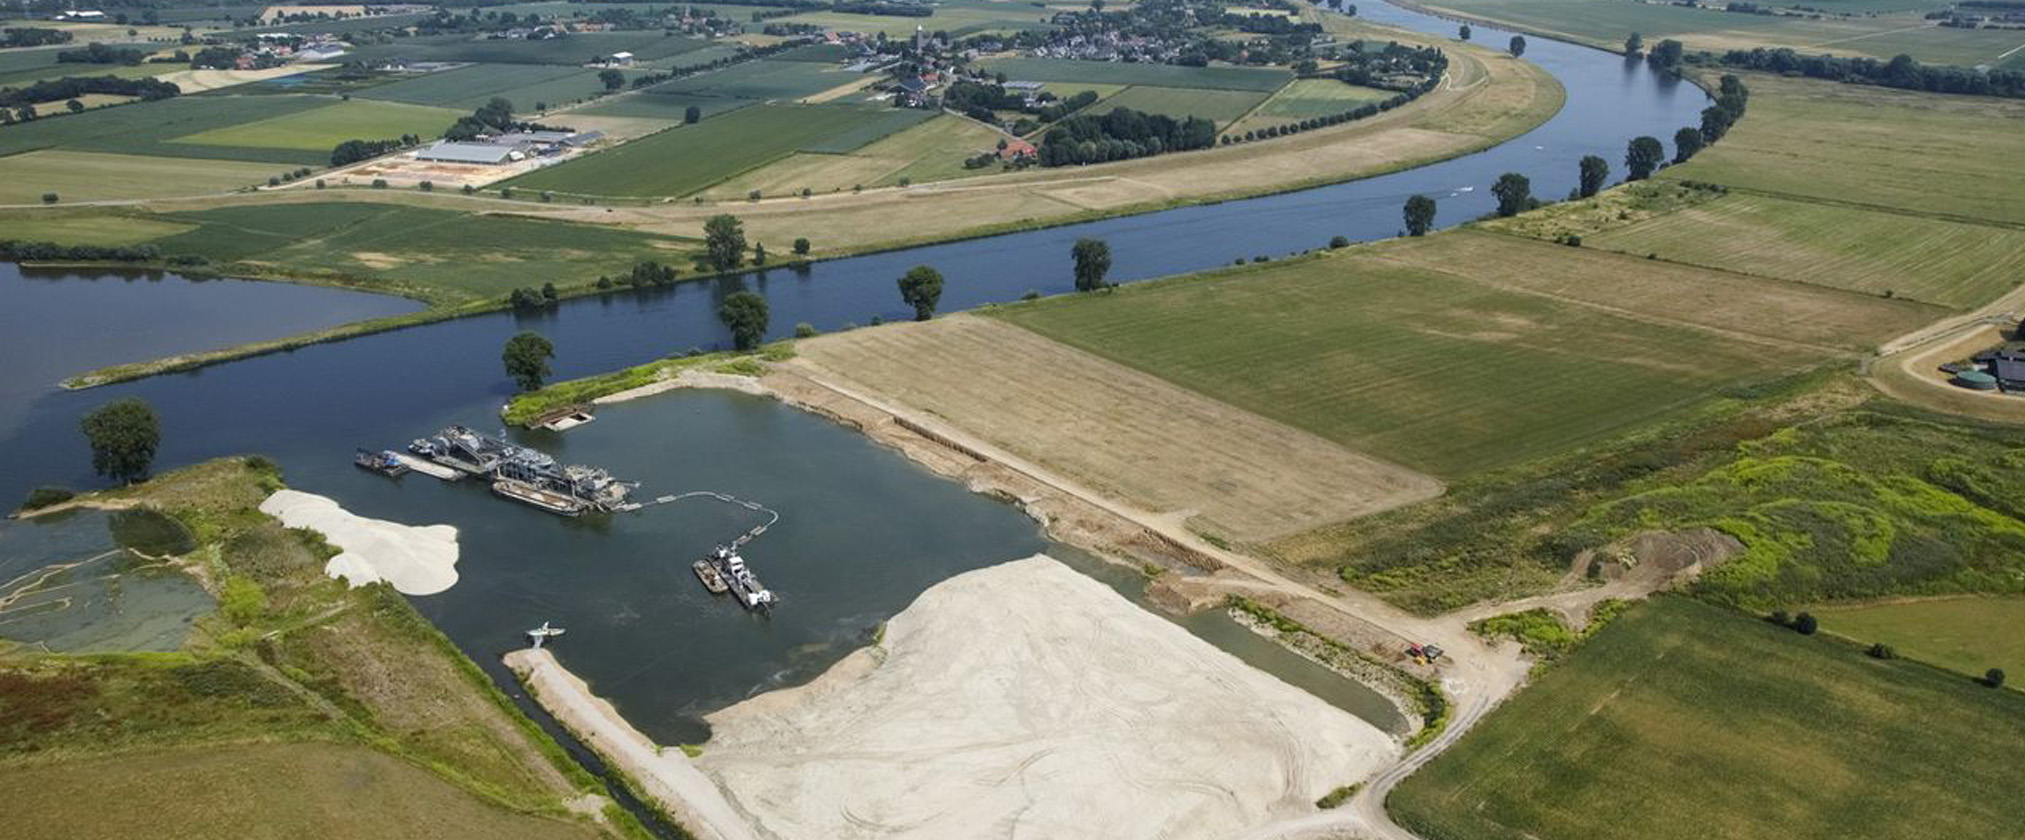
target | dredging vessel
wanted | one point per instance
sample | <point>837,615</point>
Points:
<point>740,580</point>
<point>526,475</point>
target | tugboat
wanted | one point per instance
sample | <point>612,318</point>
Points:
<point>383,462</point>
<point>739,579</point>
<point>712,581</point>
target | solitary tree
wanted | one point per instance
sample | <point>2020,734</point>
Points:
<point>1419,215</point>
<point>1806,624</point>
<point>692,115</point>
<point>1514,192</point>
<point>1595,172</point>
<point>1464,32</point>
<point>613,79</point>
<point>1686,142</point>
<point>724,242</point>
<point>49,198</point>
<point>801,246</point>
<point>526,358</point>
<point>759,253</point>
<point>1634,44</point>
<point>124,435</point>
<point>921,288</point>
<point>1994,678</point>
<point>745,314</point>
<point>1518,45</point>
<point>1666,55</point>
<point>1642,157</point>
<point>1093,261</point>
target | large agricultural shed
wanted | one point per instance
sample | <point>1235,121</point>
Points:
<point>452,152</point>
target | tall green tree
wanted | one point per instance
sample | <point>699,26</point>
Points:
<point>1595,173</point>
<point>526,359</point>
<point>1514,192</point>
<point>1093,262</point>
<point>1518,46</point>
<point>124,435</point>
<point>1716,122</point>
<point>1419,215</point>
<point>1463,32</point>
<point>692,115</point>
<point>744,313</point>
<point>724,242</point>
<point>1666,55</point>
<point>1686,142</point>
<point>921,288</point>
<point>1634,44</point>
<point>1642,157</point>
<point>612,79</point>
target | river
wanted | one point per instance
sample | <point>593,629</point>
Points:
<point>864,531</point>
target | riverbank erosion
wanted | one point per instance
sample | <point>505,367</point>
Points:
<point>1024,699</point>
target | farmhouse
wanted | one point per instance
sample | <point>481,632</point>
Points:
<point>1016,149</point>
<point>448,151</point>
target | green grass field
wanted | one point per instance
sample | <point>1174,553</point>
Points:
<point>1605,23</point>
<point>91,229</point>
<point>1387,354</point>
<point>1221,106</point>
<point>764,79</point>
<point>1948,263</point>
<point>1682,720</point>
<point>1305,98</point>
<point>683,160</point>
<point>1163,75</point>
<point>662,106</point>
<point>958,21</point>
<point>257,790</point>
<point>466,88</point>
<point>150,128</point>
<point>91,176</point>
<point>320,129</point>
<point>1969,635</point>
<point>929,151</point>
<point>574,50</point>
<point>1943,155</point>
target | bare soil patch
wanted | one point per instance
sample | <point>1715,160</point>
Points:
<point>1122,432</point>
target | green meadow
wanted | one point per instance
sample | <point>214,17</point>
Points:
<point>1221,106</point>
<point>1257,79</point>
<point>1968,635</point>
<point>320,129</point>
<point>1682,721</point>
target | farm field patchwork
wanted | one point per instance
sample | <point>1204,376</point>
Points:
<point>257,790</point>
<point>1164,75</point>
<point>465,88</point>
<point>1220,106</point>
<point>1406,353</point>
<point>956,20</point>
<point>662,106</point>
<point>1952,264</point>
<point>574,50</point>
<point>1682,720</point>
<point>683,160</point>
<point>150,128</point>
<point>320,129</point>
<point>1115,429</point>
<point>94,176</point>
<point>930,151</point>
<point>1969,635</point>
<point>1920,152</point>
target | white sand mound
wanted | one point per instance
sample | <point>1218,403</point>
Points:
<point>1029,701</point>
<point>415,560</point>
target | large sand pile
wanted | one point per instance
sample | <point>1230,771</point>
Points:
<point>1027,700</point>
<point>415,560</point>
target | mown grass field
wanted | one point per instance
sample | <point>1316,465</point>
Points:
<point>1682,720</point>
<point>764,79</point>
<point>689,158</point>
<point>574,50</point>
<point>929,151</point>
<point>92,176</point>
<point>1305,98</point>
<point>1605,23</point>
<point>1162,75</point>
<point>151,128</point>
<point>466,88</point>
<point>91,229</point>
<point>1938,261</point>
<point>1221,106</point>
<point>662,106</point>
<point>1418,354</point>
<point>1919,152</point>
<point>321,129</point>
<point>1969,635</point>
<point>257,790</point>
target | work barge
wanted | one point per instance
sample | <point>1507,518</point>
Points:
<point>526,475</point>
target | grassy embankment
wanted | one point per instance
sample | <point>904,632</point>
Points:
<point>1683,720</point>
<point>290,660</point>
<point>525,408</point>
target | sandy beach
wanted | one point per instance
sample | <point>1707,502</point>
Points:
<point>415,560</point>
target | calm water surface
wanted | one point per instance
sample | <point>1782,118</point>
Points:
<point>864,531</point>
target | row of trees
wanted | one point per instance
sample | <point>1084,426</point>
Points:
<point>16,250</point>
<point>1121,135</point>
<point>71,87</point>
<point>353,151</point>
<point>1902,72</point>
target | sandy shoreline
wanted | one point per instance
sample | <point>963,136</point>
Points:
<point>1020,700</point>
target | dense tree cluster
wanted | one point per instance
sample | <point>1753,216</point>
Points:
<point>71,87</point>
<point>1121,135</point>
<point>887,9</point>
<point>1396,66</point>
<point>353,151</point>
<point>16,250</point>
<point>1903,72</point>
<point>32,36</point>
<point>495,115</point>
<point>1731,98</point>
<point>101,54</point>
